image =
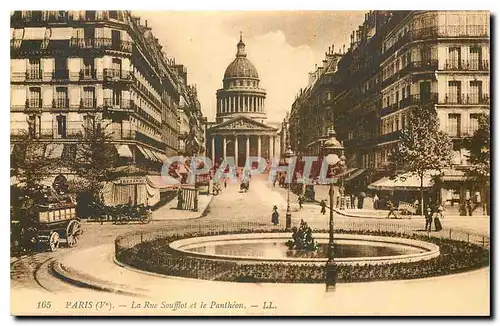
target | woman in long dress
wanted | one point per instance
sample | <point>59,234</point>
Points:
<point>437,219</point>
<point>275,216</point>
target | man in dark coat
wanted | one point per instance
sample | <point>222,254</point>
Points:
<point>323,207</point>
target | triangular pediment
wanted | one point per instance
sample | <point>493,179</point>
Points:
<point>242,123</point>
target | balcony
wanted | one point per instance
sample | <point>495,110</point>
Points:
<point>101,43</point>
<point>423,65</point>
<point>47,133</point>
<point>117,75</point>
<point>449,31</point>
<point>118,105</point>
<point>88,74</point>
<point>33,104</point>
<point>60,74</point>
<point>467,99</point>
<point>88,103</point>
<point>119,133</point>
<point>60,103</point>
<point>34,75</point>
<point>389,109</point>
<point>460,131</point>
<point>467,65</point>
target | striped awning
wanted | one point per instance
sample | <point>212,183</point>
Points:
<point>161,156</point>
<point>54,151</point>
<point>151,155</point>
<point>124,151</point>
<point>144,152</point>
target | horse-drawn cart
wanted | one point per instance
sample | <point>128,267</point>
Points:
<point>55,223</point>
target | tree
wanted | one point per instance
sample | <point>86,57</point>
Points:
<point>480,158</point>
<point>422,147</point>
<point>28,163</point>
<point>94,159</point>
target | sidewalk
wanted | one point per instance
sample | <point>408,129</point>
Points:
<point>170,211</point>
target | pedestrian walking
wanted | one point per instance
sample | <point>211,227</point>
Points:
<point>392,209</point>
<point>301,201</point>
<point>428,219</point>
<point>275,216</point>
<point>469,207</point>
<point>375,202</point>
<point>354,203</point>
<point>437,219</point>
<point>323,207</point>
<point>225,183</point>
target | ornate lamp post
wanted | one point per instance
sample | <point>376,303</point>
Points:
<point>288,157</point>
<point>333,150</point>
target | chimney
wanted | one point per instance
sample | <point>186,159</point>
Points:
<point>146,23</point>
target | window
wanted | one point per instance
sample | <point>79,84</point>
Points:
<point>88,122</point>
<point>61,126</point>
<point>61,100</point>
<point>454,92</point>
<point>475,58</point>
<point>34,71</point>
<point>90,14</point>
<point>88,68</point>
<point>34,126</point>
<point>117,97</point>
<point>88,97</point>
<point>454,124</point>
<point>475,92</point>
<point>474,123</point>
<point>453,58</point>
<point>35,100</point>
<point>115,39</point>
<point>116,67</point>
<point>61,68</point>
<point>113,14</point>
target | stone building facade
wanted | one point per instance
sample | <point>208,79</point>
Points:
<point>71,68</point>
<point>398,60</point>
<point>240,129</point>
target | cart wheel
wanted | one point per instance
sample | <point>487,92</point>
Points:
<point>73,232</point>
<point>54,241</point>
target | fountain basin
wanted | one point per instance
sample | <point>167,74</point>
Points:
<point>350,249</point>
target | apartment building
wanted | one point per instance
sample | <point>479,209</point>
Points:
<point>72,68</point>
<point>398,60</point>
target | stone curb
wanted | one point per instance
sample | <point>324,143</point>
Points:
<point>67,274</point>
<point>203,213</point>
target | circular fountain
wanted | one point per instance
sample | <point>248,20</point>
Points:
<point>350,249</point>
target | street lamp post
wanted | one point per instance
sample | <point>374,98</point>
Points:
<point>288,217</point>
<point>333,148</point>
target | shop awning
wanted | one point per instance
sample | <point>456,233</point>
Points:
<point>156,156</point>
<point>54,151</point>
<point>346,172</point>
<point>124,151</point>
<point>354,174</point>
<point>144,152</point>
<point>403,182</point>
<point>151,154</point>
<point>161,156</point>
<point>163,182</point>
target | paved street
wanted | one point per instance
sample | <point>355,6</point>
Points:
<point>94,253</point>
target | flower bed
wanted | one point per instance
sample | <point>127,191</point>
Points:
<point>156,256</point>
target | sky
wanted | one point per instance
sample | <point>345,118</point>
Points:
<point>284,46</point>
